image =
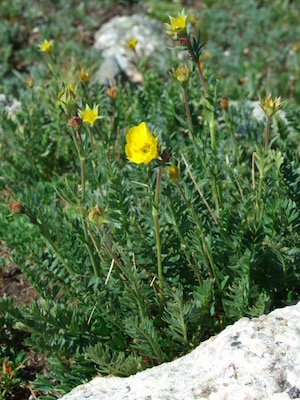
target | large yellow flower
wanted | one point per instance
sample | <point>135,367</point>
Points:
<point>141,146</point>
<point>89,115</point>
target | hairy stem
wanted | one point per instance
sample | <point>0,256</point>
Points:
<point>157,234</point>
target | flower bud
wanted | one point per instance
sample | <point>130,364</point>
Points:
<point>76,121</point>
<point>183,41</point>
<point>15,207</point>
<point>96,216</point>
<point>83,76</point>
<point>112,93</point>
<point>67,99</point>
<point>165,156</point>
<point>224,104</point>
<point>29,81</point>
<point>173,173</point>
<point>181,75</point>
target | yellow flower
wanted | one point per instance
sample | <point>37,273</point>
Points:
<point>46,46</point>
<point>141,146</point>
<point>181,75</point>
<point>270,106</point>
<point>89,115</point>
<point>131,44</point>
<point>177,26</point>
<point>83,76</point>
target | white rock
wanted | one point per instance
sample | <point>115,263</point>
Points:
<point>112,38</point>
<point>255,359</point>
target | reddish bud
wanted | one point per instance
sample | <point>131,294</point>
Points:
<point>165,156</point>
<point>183,41</point>
<point>112,93</point>
<point>16,207</point>
<point>224,104</point>
<point>76,122</point>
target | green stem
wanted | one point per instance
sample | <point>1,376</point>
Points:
<point>82,206</point>
<point>267,136</point>
<point>259,202</point>
<point>191,128</point>
<point>91,140</point>
<point>127,273</point>
<point>157,234</point>
<point>50,242</point>
<point>234,142</point>
<point>84,225</point>
<point>211,268</point>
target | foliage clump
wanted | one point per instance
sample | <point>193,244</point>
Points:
<point>138,259</point>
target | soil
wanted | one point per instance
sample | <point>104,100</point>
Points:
<point>13,284</point>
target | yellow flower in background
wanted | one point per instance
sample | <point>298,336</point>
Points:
<point>203,57</point>
<point>46,46</point>
<point>177,26</point>
<point>89,115</point>
<point>270,106</point>
<point>141,146</point>
<point>83,76</point>
<point>131,44</point>
<point>192,19</point>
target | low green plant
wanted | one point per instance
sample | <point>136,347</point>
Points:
<point>11,365</point>
<point>141,250</point>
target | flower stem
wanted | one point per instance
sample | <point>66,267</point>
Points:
<point>267,136</point>
<point>201,76</point>
<point>45,234</point>
<point>206,252</point>
<point>157,234</point>
<point>191,127</point>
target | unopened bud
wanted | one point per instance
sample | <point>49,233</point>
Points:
<point>83,76</point>
<point>181,75</point>
<point>67,99</point>
<point>183,41</point>
<point>224,104</point>
<point>76,121</point>
<point>96,215</point>
<point>29,81</point>
<point>15,207</point>
<point>112,93</point>
<point>165,156</point>
<point>173,173</point>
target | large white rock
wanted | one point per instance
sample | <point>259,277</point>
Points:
<point>255,359</point>
<point>118,60</point>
